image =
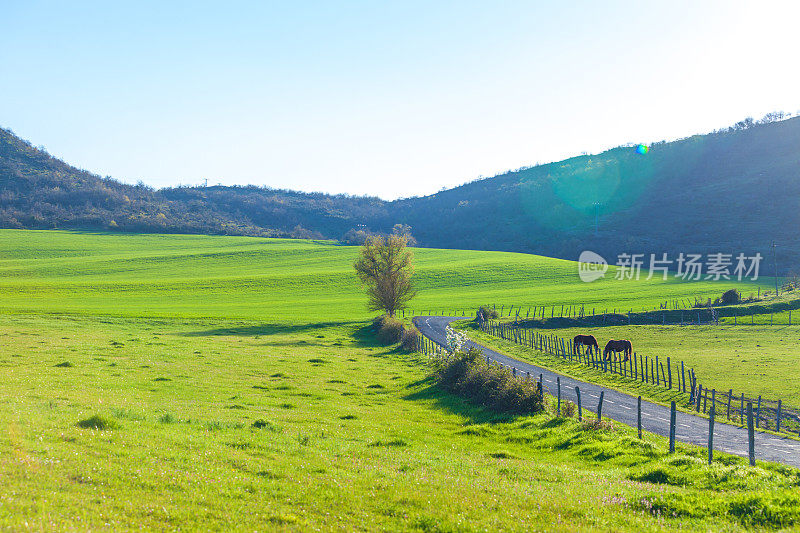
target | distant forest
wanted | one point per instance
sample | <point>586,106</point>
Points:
<point>733,190</point>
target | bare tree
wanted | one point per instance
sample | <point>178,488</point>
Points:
<point>385,268</point>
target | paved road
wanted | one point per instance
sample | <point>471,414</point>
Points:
<point>622,407</point>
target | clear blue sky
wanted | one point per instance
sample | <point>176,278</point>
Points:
<point>385,98</point>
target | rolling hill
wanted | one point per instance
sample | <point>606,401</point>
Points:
<point>729,191</point>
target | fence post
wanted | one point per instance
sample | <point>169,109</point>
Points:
<point>657,381</point>
<point>730,395</point>
<point>741,411</point>
<point>758,411</point>
<point>778,417</point>
<point>672,416</point>
<point>711,435</point>
<point>683,376</point>
<point>558,385</point>
<point>639,416</point>
<point>751,438</point>
<point>669,372</point>
<point>699,396</point>
<point>600,406</point>
<point>580,410</point>
<point>643,368</point>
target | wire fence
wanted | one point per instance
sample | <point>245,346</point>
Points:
<point>660,372</point>
<point>769,414</point>
<point>431,348</point>
<point>676,312</point>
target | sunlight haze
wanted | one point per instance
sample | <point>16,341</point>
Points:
<point>388,99</point>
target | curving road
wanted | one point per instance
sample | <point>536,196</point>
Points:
<point>622,407</point>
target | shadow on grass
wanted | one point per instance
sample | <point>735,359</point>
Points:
<point>366,337</point>
<point>441,399</point>
<point>268,329</point>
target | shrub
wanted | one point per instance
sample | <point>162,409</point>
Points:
<point>731,297</point>
<point>487,312</point>
<point>469,375</point>
<point>409,340</point>
<point>390,329</point>
<point>568,409</point>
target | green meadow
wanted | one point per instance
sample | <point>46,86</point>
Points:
<point>229,383</point>
<point>282,280</point>
<point>756,361</point>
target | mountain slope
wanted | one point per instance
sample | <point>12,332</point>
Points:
<point>730,191</point>
<point>38,191</point>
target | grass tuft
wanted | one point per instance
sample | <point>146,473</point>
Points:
<point>503,454</point>
<point>264,424</point>
<point>98,422</point>
<point>394,443</point>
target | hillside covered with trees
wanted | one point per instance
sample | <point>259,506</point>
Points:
<point>731,191</point>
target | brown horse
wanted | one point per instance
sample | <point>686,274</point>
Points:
<point>612,347</point>
<point>585,340</point>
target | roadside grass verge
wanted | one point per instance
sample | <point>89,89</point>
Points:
<point>470,376</point>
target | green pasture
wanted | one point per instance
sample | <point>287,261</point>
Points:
<point>757,360</point>
<point>234,425</point>
<point>281,280</point>
<point>766,369</point>
<point>215,383</point>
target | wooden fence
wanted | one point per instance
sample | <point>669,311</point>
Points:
<point>660,372</point>
<point>583,315</point>
<point>429,347</point>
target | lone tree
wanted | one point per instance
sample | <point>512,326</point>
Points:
<point>384,266</point>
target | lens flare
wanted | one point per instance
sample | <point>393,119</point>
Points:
<point>642,149</point>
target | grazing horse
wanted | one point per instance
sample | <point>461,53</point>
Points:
<point>585,340</point>
<point>612,347</point>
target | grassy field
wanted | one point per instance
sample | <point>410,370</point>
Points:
<point>280,281</point>
<point>235,383</point>
<point>746,377</point>
<point>217,423</point>
<point>760,360</point>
